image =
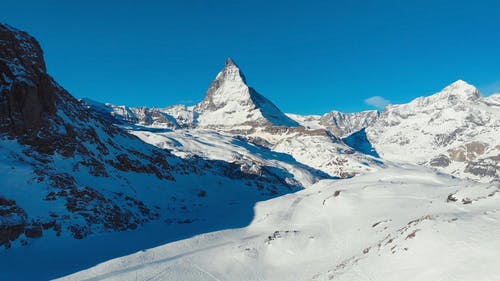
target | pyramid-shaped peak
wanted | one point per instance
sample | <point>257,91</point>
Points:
<point>230,62</point>
<point>231,72</point>
<point>230,103</point>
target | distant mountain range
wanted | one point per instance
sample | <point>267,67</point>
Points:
<point>454,130</point>
<point>74,169</point>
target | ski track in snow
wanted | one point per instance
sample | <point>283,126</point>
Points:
<point>166,260</point>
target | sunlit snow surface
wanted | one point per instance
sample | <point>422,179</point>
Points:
<point>399,223</point>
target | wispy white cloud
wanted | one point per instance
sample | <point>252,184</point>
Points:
<point>377,102</point>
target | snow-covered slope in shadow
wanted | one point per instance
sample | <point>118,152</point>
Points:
<point>359,142</point>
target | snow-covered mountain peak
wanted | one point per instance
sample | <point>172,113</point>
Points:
<point>461,89</point>
<point>230,62</point>
<point>231,103</point>
<point>455,97</point>
<point>231,72</point>
<point>460,84</point>
<point>458,92</point>
<point>439,129</point>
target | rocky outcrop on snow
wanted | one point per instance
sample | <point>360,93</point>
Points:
<point>343,124</point>
<point>26,96</point>
<point>455,130</point>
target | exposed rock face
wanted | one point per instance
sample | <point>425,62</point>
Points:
<point>469,151</point>
<point>12,221</point>
<point>440,161</point>
<point>34,108</point>
<point>26,95</point>
<point>485,168</point>
<point>338,123</point>
<point>344,124</point>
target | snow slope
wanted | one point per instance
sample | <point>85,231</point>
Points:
<point>214,145</point>
<point>443,229</point>
<point>307,156</point>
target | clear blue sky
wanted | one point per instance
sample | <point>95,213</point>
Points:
<point>306,56</point>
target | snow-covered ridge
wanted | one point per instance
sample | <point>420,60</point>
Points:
<point>339,123</point>
<point>429,130</point>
